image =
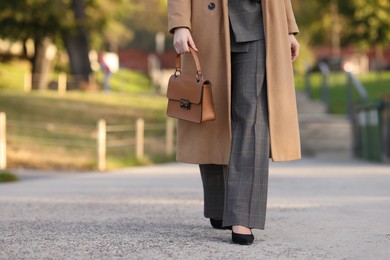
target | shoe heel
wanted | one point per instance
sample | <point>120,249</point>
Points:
<point>242,239</point>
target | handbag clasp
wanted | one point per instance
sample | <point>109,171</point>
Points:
<point>185,104</point>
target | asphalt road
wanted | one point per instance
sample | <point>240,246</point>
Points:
<point>317,209</point>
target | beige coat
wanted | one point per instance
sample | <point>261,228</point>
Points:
<point>210,142</point>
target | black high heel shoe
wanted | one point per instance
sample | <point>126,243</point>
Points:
<point>242,239</point>
<point>217,224</point>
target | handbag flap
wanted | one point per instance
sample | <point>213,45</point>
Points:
<point>185,87</point>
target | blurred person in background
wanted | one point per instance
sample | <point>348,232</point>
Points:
<point>109,63</point>
<point>246,48</point>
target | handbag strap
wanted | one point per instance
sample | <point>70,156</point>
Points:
<point>199,75</point>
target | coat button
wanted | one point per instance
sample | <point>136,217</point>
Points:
<point>211,6</point>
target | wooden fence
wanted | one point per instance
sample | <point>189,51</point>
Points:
<point>3,144</point>
<point>61,81</point>
<point>134,135</point>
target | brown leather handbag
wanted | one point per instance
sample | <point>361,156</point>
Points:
<point>190,97</point>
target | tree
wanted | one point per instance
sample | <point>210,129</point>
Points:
<point>371,26</point>
<point>45,22</point>
<point>77,43</point>
<point>78,25</point>
<point>65,23</point>
<point>145,19</point>
<point>363,23</point>
<point>23,20</point>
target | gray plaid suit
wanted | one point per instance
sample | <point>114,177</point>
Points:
<point>238,192</point>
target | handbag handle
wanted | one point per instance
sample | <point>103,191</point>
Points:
<point>199,75</point>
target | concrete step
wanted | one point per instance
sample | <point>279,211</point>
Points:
<point>322,133</point>
<point>307,106</point>
<point>325,134</point>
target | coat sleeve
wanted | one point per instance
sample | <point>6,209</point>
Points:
<point>179,14</point>
<point>292,24</point>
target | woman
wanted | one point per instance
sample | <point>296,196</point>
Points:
<point>246,48</point>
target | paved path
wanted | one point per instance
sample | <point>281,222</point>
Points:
<point>318,209</point>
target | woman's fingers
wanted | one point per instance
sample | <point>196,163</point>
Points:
<point>295,47</point>
<point>182,39</point>
<point>181,46</point>
<point>192,43</point>
<point>294,52</point>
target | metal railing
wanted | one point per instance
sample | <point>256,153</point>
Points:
<point>325,85</point>
<point>371,124</point>
<point>352,83</point>
<point>386,127</point>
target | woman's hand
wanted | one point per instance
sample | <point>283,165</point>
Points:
<point>294,47</point>
<point>182,39</point>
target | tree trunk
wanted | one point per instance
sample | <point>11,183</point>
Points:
<point>77,46</point>
<point>336,50</point>
<point>42,63</point>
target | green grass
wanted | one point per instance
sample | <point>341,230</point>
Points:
<point>6,176</point>
<point>48,130</point>
<point>127,81</point>
<point>376,87</point>
<point>12,75</point>
<point>82,107</point>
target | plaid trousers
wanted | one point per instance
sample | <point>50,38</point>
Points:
<point>237,192</point>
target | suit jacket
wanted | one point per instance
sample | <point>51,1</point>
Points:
<point>246,20</point>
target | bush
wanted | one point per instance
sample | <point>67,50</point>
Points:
<point>6,176</point>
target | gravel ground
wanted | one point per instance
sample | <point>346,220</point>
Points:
<point>318,208</point>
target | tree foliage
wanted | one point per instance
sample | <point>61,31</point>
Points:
<point>111,23</point>
<point>145,19</point>
<point>370,22</point>
<point>79,25</point>
<point>21,20</point>
<point>362,22</point>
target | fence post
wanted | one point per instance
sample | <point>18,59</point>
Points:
<point>101,144</point>
<point>61,83</point>
<point>386,128</point>
<point>139,138</point>
<point>325,71</point>
<point>308,81</point>
<point>3,147</point>
<point>27,82</point>
<point>349,95</point>
<point>170,136</point>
